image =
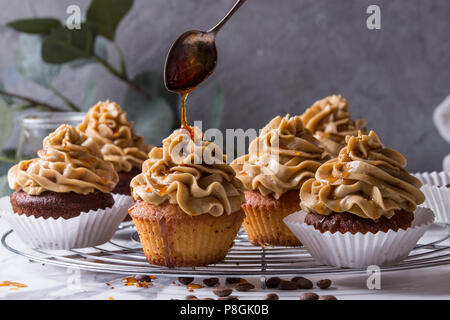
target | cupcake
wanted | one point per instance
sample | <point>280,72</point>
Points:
<point>108,125</point>
<point>64,194</point>
<point>330,122</point>
<point>188,202</point>
<point>361,206</point>
<point>279,161</point>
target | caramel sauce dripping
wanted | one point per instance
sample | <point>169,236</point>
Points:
<point>184,123</point>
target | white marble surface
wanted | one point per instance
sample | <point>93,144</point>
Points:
<point>49,282</point>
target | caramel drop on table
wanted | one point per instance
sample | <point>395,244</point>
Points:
<point>12,284</point>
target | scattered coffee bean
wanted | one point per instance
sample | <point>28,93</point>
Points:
<point>327,297</point>
<point>228,298</point>
<point>304,283</point>
<point>222,291</point>
<point>272,296</point>
<point>211,282</point>
<point>244,286</point>
<point>143,278</point>
<point>309,296</point>
<point>185,280</point>
<point>191,297</point>
<point>272,282</point>
<point>324,283</point>
<point>287,285</point>
<point>233,280</point>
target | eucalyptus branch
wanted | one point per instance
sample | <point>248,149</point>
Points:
<point>65,99</point>
<point>121,76</point>
<point>32,101</point>
<point>8,160</point>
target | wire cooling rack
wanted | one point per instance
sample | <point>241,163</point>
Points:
<point>123,255</point>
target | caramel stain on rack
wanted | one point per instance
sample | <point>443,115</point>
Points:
<point>13,285</point>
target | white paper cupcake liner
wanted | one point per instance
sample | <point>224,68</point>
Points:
<point>127,202</point>
<point>359,250</point>
<point>434,178</point>
<point>86,230</point>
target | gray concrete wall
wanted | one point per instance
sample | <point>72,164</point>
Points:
<point>280,56</point>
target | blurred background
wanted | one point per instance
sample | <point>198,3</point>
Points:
<point>275,57</point>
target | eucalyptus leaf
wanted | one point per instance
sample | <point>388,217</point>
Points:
<point>100,49</point>
<point>153,83</point>
<point>217,107</point>
<point>35,25</point>
<point>4,187</point>
<point>6,123</point>
<point>64,45</point>
<point>4,167</point>
<point>107,14</point>
<point>89,95</point>
<point>29,61</point>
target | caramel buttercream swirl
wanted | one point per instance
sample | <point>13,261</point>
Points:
<point>366,179</point>
<point>69,162</point>
<point>191,173</point>
<point>282,158</point>
<point>108,125</point>
<point>330,122</point>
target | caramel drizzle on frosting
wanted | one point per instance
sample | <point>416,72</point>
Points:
<point>330,122</point>
<point>69,161</point>
<point>191,173</point>
<point>108,125</point>
<point>366,179</point>
<point>282,158</point>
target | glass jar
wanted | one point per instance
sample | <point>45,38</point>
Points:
<point>36,126</point>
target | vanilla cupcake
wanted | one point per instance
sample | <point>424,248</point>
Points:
<point>63,199</point>
<point>279,161</point>
<point>188,202</point>
<point>108,125</point>
<point>360,207</point>
<point>330,122</point>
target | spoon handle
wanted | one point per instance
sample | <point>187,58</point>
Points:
<point>233,10</point>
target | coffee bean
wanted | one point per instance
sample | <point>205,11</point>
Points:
<point>304,283</point>
<point>272,282</point>
<point>143,278</point>
<point>211,282</point>
<point>191,297</point>
<point>185,280</point>
<point>324,283</point>
<point>222,291</point>
<point>309,296</point>
<point>244,286</point>
<point>233,280</point>
<point>228,298</point>
<point>327,297</point>
<point>272,296</point>
<point>287,285</point>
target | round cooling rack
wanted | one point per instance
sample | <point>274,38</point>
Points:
<point>123,255</point>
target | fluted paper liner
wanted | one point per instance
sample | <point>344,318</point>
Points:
<point>86,230</point>
<point>437,195</point>
<point>360,250</point>
<point>200,241</point>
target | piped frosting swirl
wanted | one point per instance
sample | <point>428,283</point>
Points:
<point>366,179</point>
<point>282,158</point>
<point>190,172</point>
<point>330,122</point>
<point>108,125</point>
<point>69,161</point>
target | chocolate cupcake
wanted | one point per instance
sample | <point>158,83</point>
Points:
<point>108,125</point>
<point>188,202</point>
<point>67,188</point>
<point>330,122</point>
<point>279,161</point>
<point>358,203</point>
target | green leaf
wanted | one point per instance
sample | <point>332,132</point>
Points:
<point>64,45</point>
<point>217,107</point>
<point>35,25</point>
<point>4,187</point>
<point>89,95</point>
<point>107,14</point>
<point>154,118</point>
<point>100,49</point>
<point>6,123</point>
<point>29,61</point>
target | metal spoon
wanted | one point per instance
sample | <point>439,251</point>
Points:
<point>193,57</point>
